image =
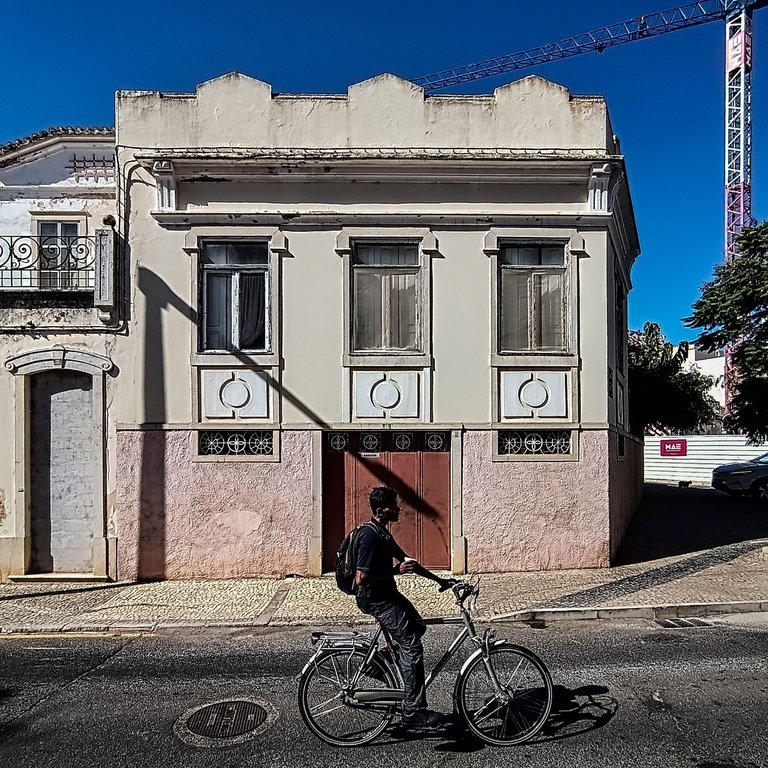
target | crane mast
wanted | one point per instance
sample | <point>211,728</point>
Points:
<point>738,93</point>
<point>738,127</point>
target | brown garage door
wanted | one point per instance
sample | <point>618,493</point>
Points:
<point>416,464</point>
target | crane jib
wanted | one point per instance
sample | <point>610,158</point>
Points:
<point>637,28</point>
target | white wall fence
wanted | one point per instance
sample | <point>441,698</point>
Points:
<point>703,454</point>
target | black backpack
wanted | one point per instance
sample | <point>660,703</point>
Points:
<point>345,560</point>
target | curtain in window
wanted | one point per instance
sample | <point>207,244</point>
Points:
<point>253,311</point>
<point>368,319</point>
<point>218,302</point>
<point>548,301</point>
<point>402,315</point>
<point>514,310</point>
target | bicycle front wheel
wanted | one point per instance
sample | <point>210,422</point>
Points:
<point>325,698</point>
<point>514,711</point>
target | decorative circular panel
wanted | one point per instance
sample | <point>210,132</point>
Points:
<point>235,394</point>
<point>434,441</point>
<point>534,394</point>
<point>386,394</point>
<point>403,441</point>
<point>212,443</point>
<point>236,442</point>
<point>533,442</point>
<point>337,441</point>
<point>370,442</point>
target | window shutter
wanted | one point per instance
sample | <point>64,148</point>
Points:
<point>104,286</point>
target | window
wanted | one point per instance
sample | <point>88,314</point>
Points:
<point>64,262</point>
<point>621,323</point>
<point>235,293</point>
<point>386,286</point>
<point>532,298</point>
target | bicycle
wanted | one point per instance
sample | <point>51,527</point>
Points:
<point>351,688</point>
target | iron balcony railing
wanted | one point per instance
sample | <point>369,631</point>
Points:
<point>47,263</point>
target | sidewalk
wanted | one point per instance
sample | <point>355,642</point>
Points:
<point>722,579</point>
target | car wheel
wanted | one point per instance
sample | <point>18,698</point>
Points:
<point>760,490</point>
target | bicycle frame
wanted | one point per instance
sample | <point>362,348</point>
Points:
<point>391,695</point>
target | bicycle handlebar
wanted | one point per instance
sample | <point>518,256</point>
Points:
<point>462,590</point>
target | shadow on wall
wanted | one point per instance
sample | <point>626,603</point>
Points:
<point>153,523</point>
<point>676,521</point>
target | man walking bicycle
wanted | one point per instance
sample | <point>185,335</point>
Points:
<point>378,558</point>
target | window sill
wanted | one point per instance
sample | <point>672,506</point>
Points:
<point>533,457</point>
<point>265,459</point>
<point>388,360</point>
<point>213,359</point>
<point>528,359</point>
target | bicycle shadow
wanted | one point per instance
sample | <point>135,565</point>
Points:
<point>574,711</point>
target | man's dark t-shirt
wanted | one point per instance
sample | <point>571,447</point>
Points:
<point>374,553</point>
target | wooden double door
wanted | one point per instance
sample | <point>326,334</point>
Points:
<point>417,465</point>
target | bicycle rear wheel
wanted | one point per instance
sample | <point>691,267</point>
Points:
<point>520,710</point>
<point>324,703</point>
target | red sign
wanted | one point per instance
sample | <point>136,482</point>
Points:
<point>674,447</point>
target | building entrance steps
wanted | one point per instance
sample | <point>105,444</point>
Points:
<point>665,574</point>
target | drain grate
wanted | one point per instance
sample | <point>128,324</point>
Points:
<point>682,623</point>
<point>224,723</point>
<point>227,719</point>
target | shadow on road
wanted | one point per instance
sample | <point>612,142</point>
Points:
<point>676,521</point>
<point>578,710</point>
<point>574,711</point>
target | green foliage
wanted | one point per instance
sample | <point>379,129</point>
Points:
<point>733,310</point>
<point>661,393</point>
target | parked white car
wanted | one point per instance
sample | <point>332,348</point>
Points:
<point>745,477</point>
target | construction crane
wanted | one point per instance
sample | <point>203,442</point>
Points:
<point>737,15</point>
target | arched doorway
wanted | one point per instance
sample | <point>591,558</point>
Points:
<point>59,501</point>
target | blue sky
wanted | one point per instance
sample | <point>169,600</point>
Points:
<point>63,62</point>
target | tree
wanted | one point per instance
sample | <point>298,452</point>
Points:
<point>662,393</point>
<point>733,311</point>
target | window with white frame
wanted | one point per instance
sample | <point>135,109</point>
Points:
<point>532,298</point>
<point>386,290</point>
<point>235,297</point>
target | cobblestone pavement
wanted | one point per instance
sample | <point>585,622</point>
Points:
<point>728,574</point>
<point>734,571</point>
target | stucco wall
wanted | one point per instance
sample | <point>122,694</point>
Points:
<point>535,515</point>
<point>177,518</point>
<point>383,111</point>
<point>626,486</point>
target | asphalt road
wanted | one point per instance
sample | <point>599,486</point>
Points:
<point>627,694</point>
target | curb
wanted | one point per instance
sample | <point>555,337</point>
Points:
<point>684,610</point>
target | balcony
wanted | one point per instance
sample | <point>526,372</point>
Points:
<point>38,263</point>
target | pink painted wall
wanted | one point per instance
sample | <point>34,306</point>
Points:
<point>626,488</point>
<point>178,518</point>
<point>535,515</point>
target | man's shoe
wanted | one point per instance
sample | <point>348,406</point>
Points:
<point>423,718</point>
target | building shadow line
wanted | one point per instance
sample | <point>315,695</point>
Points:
<point>654,577</point>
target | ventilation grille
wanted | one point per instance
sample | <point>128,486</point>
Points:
<point>534,443</point>
<point>225,443</point>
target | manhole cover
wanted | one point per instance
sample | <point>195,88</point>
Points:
<point>224,723</point>
<point>227,719</point>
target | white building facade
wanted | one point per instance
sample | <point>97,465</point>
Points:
<point>319,294</point>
